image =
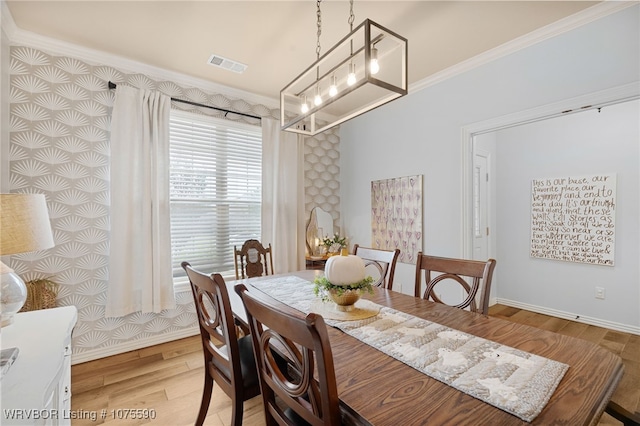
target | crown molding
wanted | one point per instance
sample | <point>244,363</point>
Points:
<point>8,26</point>
<point>18,36</point>
<point>554,29</point>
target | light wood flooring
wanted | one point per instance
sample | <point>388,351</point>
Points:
<point>167,379</point>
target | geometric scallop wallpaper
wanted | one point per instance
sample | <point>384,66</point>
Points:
<point>59,119</point>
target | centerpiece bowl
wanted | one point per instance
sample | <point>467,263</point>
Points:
<point>345,299</point>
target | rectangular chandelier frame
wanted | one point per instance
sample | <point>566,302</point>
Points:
<point>371,89</point>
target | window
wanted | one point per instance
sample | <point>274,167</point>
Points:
<point>215,194</point>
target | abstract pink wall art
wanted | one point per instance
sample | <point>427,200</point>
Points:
<point>396,216</point>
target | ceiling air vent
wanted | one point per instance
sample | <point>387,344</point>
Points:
<point>227,64</point>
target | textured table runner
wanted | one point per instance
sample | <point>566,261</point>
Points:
<point>515,381</point>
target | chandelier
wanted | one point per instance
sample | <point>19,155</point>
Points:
<point>364,70</point>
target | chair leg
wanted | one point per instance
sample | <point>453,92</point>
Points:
<point>236,412</point>
<point>206,399</point>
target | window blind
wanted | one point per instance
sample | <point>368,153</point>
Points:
<point>215,194</point>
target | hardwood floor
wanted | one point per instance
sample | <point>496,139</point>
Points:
<point>167,379</point>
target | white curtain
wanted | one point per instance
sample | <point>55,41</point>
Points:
<point>140,274</point>
<point>283,196</point>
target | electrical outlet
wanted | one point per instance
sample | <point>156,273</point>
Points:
<point>599,293</point>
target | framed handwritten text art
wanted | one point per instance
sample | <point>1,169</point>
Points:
<point>573,218</point>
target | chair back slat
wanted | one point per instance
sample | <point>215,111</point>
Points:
<point>474,276</point>
<point>303,387</point>
<point>252,260</point>
<point>382,261</point>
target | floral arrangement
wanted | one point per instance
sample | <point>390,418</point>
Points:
<point>322,286</point>
<point>335,243</point>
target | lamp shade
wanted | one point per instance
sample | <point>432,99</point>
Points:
<point>24,227</point>
<point>24,224</point>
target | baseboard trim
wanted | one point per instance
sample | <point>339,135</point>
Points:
<point>625,328</point>
<point>133,345</point>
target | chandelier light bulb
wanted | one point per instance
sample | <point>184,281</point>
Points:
<point>318,99</point>
<point>351,78</point>
<point>333,89</point>
<point>374,66</point>
<point>304,108</point>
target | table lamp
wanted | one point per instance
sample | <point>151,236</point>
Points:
<point>24,227</point>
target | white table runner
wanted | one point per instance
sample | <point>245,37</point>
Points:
<point>515,381</point>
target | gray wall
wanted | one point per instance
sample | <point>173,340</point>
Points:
<point>421,133</point>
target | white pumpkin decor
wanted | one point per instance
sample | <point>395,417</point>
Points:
<point>345,269</point>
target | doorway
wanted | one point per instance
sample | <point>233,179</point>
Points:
<point>481,203</point>
<point>475,154</point>
<point>470,132</point>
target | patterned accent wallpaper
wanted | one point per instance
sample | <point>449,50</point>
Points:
<point>60,112</point>
<point>322,174</point>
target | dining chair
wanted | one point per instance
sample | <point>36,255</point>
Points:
<point>478,276</point>
<point>625,416</point>
<point>383,261</point>
<point>252,260</point>
<point>228,360</point>
<point>303,390</point>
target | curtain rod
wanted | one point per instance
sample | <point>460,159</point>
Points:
<point>226,111</point>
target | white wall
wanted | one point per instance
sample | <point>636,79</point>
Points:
<point>421,133</point>
<point>579,144</point>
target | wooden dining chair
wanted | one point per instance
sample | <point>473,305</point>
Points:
<point>303,389</point>
<point>478,276</point>
<point>621,414</point>
<point>382,261</point>
<point>228,360</point>
<point>252,260</point>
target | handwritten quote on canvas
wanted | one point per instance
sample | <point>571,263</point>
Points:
<point>573,218</point>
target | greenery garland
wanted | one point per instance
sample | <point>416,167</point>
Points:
<point>322,286</point>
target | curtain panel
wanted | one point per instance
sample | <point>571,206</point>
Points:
<point>140,275</point>
<point>283,196</point>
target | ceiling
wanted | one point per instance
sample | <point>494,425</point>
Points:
<point>277,39</point>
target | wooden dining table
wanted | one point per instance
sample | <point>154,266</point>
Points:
<point>381,390</point>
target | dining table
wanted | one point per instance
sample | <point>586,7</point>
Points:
<point>378,389</point>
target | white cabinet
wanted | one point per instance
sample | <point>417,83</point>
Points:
<point>37,388</point>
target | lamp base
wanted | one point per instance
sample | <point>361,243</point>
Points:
<point>12,297</point>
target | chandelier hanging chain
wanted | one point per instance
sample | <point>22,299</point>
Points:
<point>319,24</point>
<point>352,17</point>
